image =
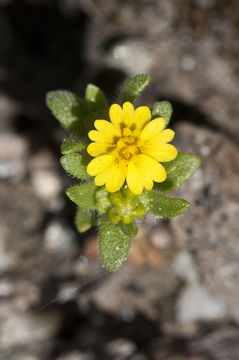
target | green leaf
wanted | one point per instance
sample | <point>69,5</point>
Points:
<point>83,195</point>
<point>113,245</point>
<point>84,219</point>
<point>129,229</point>
<point>179,171</point>
<point>134,86</point>
<point>162,109</point>
<point>163,206</point>
<point>95,97</point>
<point>70,145</point>
<point>75,165</point>
<point>69,109</point>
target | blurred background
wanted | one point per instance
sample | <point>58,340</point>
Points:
<point>177,296</point>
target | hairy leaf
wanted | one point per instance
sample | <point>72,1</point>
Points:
<point>75,165</point>
<point>83,195</point>
<point>84,219</point>
<point>164,206</point>
<point>95,97</point>
<point>162,109</point>
<point>179,171</point>
<point>129,229</point>
<point>113,245</point>
<point>134,86</point>
<point>71,145</point>
<point>68,108</point>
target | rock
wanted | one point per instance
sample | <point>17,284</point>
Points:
<point>12,169</point>
<point>12,145</point>
<point>210,229</point>
<point>27,329</point>
<point>120,349</point>
<point>220,344</point>
<point>160,237</point>
<point>132,56</point>
<point>195,303</point>
<point>135,289</point>
<point>46,184</point>
<point>59,238</point>
<point>184,267</point>
<point>43,160</point>
<point>13,153</point>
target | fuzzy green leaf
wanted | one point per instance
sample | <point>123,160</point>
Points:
<point>68,108</point>
<point>95,98</point>
<point>162,109</point>
<point>71,145</point>
<point>179,171</point>
<point>129,229</point>
<point>134,86</point>
<point>75,165</point>
<point>83,195</point>
<point>163,206</point>
<point>84,219</point>
<point>113,245</point>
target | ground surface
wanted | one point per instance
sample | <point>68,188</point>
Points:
<point>177,295</point>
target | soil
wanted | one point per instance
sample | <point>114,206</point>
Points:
<point>177,295</point>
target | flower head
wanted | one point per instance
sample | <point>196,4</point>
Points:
<point>130,147</point>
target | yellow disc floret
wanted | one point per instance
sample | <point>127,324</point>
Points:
<point>130,148</point>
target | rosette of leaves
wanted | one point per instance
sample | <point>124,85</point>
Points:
<point>115,214</point>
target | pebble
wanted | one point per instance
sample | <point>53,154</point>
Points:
<point>59,238</point>
<point>196,303</point>
<point>28,329</point>
<point>13,152</point>
<point>46,184</point>
<point>131,56</point>
<point>120,348</point>
<point>184,267</point>
<point>160,237</point>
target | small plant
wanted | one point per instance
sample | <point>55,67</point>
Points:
<point>117,153</point>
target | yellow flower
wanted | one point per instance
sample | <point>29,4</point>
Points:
<point>130,148</point>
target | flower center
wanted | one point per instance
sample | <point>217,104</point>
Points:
<point>128,145</point>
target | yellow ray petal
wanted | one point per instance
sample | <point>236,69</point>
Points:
<point>94,135</point>
<point>134,178</point>
<point>142,116</point>
<point>101,137</point>
<point>152,129</point>
<point>106,130</point>
<point>115,177</point>
<point>160,152</point>
<point>99,164</point>
<point>128,114</point>
<point>148,183</point>
<point>116,115</point>
<point>151,168</point>
<point>164,137</point>
<point>101,178</point>
<point>96,148</point>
